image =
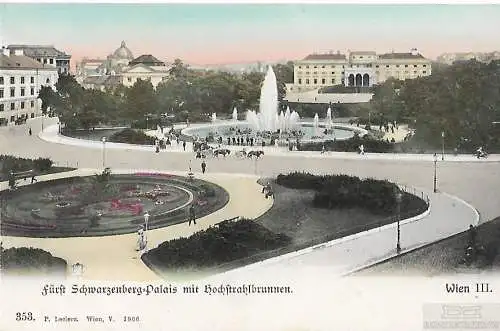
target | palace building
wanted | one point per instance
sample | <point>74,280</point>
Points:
<point>21,78</point>
<point>357,68</point>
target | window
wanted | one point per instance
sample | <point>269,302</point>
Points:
<point>12,80</point>
<point>424,72</point>
<point>129,79</point>
<point>47,81</point>
<point>1,93</point>
<point>414,72</point>
<point>333,80</point>
<point>2,107</point>
<point>32,80</point>
<point>397,65</point>
<point>361,57</point>
<point>307,67</point>
<point>44,61</point>
<point>12,92</point>
<point>343,72</point>
<point>376,66</point>
<point>51,61</point>
<point>315,81</point>
<point>424,65</point>
<point>334,66</point>
<point>39,60</point>
<point>322,66</point>
<point>22,91</point>
<point>1,80</point>
<point>300,80</point>
<point>12,106</point>
<point>307,81</point>
<point>32,91</point>
<point>315,67</point>
<point>22,80</point>
<point>323,81</point>
<point>308,72</point>
<point>333,72</point>
<point>406,66</point>
<point>414,65</point>
<point>32,104</point>
<point>22,104</point>
<point>387,66</point>
<point>32,115</point>
<point>300,67</point>
<point>315,72</point>
<point>12,118</point>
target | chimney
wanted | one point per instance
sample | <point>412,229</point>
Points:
<point>414,51</point>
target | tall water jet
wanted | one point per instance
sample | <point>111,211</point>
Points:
<point>235,114</point>
<point>316,124</point>
<point>214,117</point>
<point>328,120</point>
<point>269,102</point>
<point>294,120</point>
<point>253,119</point>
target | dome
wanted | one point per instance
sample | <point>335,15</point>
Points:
<point>123,52</point>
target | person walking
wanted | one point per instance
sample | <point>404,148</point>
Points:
<point>184,145</point>
<point>192,215</point>
<point>203,167</point>
<point>30,132</point>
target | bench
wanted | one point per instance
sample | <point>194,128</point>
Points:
<point>23,174</point>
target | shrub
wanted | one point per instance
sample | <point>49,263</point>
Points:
<point>31,260</point>
<point>224,242</point>
<point>350,145</point>
<point>342,191</point>
<point>131,136</point>
<point>42,164</point>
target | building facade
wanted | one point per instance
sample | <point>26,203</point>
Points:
<point>358,69</point>
<point>46,55</point>
<point>21,78</point>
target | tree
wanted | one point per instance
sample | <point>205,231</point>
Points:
<point>48,97</point>
<point>140,100</point>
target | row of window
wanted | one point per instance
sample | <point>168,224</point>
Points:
<point>376,72</point>
<point>13,92</point>
<point>12,80</point>
<point>315,81</point>
<point>13,118</point>
<point>366,66</point>
<point>22,105</point>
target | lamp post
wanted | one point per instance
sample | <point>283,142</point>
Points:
<point>442,145</point>
<point>103,139</point>
<point>399,197</point>
<point>435,172</point>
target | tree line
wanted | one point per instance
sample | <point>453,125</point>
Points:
<point>186,95</point>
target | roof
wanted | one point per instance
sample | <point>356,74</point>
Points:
<point>123,52</point>
<point>147,59</point>
<point>39,50</point>
<point>21,62</point>
<point>325,57</point>
<point>103,80</point>
<point>400,56</point>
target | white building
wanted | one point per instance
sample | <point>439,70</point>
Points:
<point>359,69</point>
<point>21,78</point>
<point>45,54</point>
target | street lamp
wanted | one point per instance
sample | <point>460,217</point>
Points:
<point>399,197</point>
<point>435,172</point>
<point>442,145</point>
<point>103,139</point>
<point>146,220</point>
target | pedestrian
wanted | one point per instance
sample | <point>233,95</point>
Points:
<point>192,215</point>
<point>203,166</point>
<point>33,179</point>
<point>184,145</point>
<point>30,132</point>
<point>323,149</point>
<point>361,149</point>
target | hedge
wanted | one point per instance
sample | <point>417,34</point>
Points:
<point>350,145</point>
<point>131,136</point>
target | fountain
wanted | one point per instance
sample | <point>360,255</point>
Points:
<point>328,121</point>
<point>316,124</point>
<point>214,117</point>
<point>235,114</point>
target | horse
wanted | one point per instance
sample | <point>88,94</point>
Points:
<point>241,153</point>
<point>223,152</point>
<point>257,154</point>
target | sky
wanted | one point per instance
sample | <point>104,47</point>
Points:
<point>238,33</point>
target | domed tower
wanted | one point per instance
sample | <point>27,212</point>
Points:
<point>119,59</point>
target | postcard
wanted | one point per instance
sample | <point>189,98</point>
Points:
<point>249,166</point>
